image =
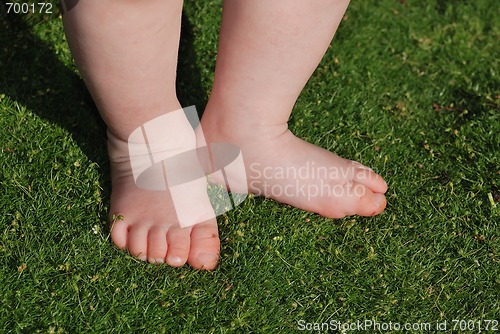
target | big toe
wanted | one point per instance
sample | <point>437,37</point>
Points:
<point>371,204</point>
<point>354,199</point>
<point>370,179</point>
<point>205,246</point>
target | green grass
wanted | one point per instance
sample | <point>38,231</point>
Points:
<point>408,87</point>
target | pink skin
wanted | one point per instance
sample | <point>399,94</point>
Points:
<point>127,50</point>
<point>267,52</point>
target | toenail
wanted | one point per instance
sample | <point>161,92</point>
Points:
<point>207,258</point>
<point>158,260</point>
<point>175,260</point>
<point>142,257</point>
<point>365,168</point>
<point>379,200</point>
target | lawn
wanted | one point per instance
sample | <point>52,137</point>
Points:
<point>408,87</point>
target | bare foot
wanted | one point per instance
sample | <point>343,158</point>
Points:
<point>149,227</point>
<point>289,170</point>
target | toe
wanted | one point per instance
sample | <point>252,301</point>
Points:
<point>205,246</point>
<point>370,179</point>
<point>138,241</point>
<point>157,244</point>
<point>353,198</point>
<point>370,203</point>
<point>178,240</point>
<point>119,234</point>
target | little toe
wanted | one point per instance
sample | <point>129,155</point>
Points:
<point>157,244</point>
<point>119,234</point>
<point>138,241</point>
<point>178,245</point>
<point>205,246</point>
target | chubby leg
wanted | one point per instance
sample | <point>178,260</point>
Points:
<point>126,51</point>
<point>267,52</point>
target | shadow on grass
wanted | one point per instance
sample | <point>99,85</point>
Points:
<point>32,75</point>
<point>442,5</point>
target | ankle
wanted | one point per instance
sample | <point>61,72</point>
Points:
<point>238,126</point>
<point>117,147</point>
<point>160,137</point>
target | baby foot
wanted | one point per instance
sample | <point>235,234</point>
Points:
<point>148,225</point>
<point>289,170</point>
